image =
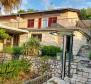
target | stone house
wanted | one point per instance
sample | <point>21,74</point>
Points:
<point>41,23</point>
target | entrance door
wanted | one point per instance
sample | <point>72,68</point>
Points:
<point>68,44</point>
<point>16,40</point>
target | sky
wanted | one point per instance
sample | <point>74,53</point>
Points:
<point>52,4</point>
<point>48,4</point>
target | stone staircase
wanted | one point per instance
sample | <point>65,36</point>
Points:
<point>84,50</point>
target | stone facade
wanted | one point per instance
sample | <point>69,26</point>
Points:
<point>48,39</point>
<point>78,41</point>
<point>66,19</point>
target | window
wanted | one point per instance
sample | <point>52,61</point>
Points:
<point>52,20</point>
<point>45,22</point>
<point>31,23</point>
<point>38,36</point>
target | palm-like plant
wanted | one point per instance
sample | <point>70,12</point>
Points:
<point>32,46</point>
<point>10,4</point>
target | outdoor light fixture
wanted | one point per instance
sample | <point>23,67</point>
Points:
<point>54,33</point>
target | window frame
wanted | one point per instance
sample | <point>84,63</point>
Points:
<point>38,36</point>
<point>30,23</point>
<point>52,20</point>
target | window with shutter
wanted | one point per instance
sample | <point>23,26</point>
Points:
<point>31,23</point>
<point>52,20</point>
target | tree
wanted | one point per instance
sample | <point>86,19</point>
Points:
<point>10,4</point>
<point>86,13</point>
<point>83,13</point>
<point>31,10</point>
<point>21,11</point>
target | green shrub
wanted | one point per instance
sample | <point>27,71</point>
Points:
<point>12,69</point>
<point>50,50</point>
<point>17,51</point>
<point>90,55</point>
<point>8,49</point>
<point>3,34</point>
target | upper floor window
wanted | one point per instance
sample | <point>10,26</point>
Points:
<point>31,23</point>
<point>52,20</point>
<point>45,22</point>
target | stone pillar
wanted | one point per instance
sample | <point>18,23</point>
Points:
<point>64,56</point>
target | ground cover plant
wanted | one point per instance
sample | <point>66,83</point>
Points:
<point>13,70</point>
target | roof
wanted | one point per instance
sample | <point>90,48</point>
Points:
<point>13,30</point>
<point>46,12</point>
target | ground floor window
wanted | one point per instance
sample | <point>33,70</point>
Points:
<point>38,36</point>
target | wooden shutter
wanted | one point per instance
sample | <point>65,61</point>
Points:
<point>31,23</point>
<point>39,23</point>
<point>49,22</point>
<point>54,20</point>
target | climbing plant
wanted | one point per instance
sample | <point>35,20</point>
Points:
<point>3,34</point>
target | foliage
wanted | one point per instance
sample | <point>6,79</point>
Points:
<point>32,46</point>
<point>17,51</point>
<point>50,50</point>
<point>28,11</point>
<point>86,13</point>
<point>12,69</point>
<point>21,11</point>
<point>8,49</point>
<point>31,10</point>
<point>90,55</point>
<point>9,5</point>
<point>3,34</point>
<point>83,14</point>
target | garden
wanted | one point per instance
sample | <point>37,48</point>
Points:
<point>28,62</point>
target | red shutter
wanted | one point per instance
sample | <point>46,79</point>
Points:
<point>31,23</point>
<point>54,20</point>
<point>49,22</point>
<point>28,23</point>
<point>39,23</point>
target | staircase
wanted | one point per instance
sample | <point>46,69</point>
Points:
<point>84,50</point>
